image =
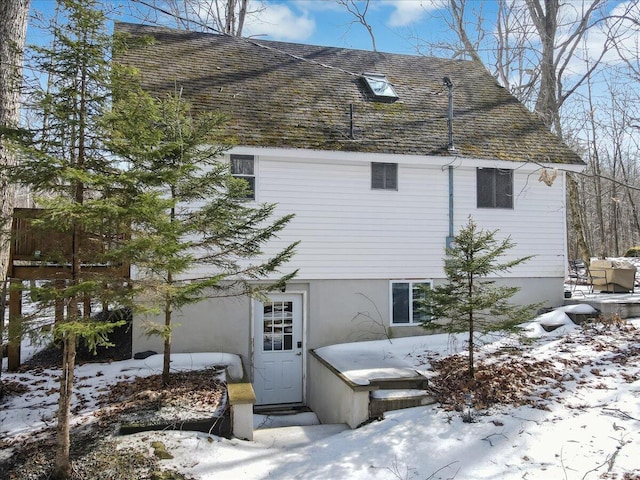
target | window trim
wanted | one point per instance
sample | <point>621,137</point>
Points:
<point>494,188</point>
<point>412,283</point>
<point>254,197</point>
<point>385,165</point>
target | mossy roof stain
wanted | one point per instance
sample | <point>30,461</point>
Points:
<point>304,96</point>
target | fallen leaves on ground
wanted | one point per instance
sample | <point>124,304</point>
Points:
<point>517,379</point>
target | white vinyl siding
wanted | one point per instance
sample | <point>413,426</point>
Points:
<point>536,222</point>
<point>349,231</point>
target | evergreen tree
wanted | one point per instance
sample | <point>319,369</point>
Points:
<point>83,191</point>
<point>469,301</point>
<point>200,220</point>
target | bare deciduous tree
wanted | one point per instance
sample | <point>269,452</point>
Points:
<point>535,49</point>
<point>13,30</point>
<point>359,10</point>
<point>223,16</point>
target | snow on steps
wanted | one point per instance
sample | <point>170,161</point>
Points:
<point>381,401</point>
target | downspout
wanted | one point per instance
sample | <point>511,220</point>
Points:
<point>450,236</point>
<point>446,81</point>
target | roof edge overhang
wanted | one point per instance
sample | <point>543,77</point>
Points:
<point>301,154</point>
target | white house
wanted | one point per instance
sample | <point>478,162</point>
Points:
<point>382,157</point>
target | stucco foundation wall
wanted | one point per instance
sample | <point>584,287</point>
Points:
<point>341,311</point>
<point>213,325</point>
<point>337,311</point>
<point>332,400</point>
<point>548,292</point>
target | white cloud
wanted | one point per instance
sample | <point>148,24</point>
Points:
<point>626,33</point>
<point>406,12</point>
<point>280,22</point>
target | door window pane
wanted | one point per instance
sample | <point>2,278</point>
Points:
<point>277,326</point>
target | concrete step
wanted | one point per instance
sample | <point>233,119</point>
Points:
<point>381,401</point>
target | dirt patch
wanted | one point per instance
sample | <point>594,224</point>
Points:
<point>511,382</point>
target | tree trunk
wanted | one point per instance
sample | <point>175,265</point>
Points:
<point>576,224</point>
<point>597,180</point>
<point>472,370</point>
<point>63,462</point>
<point>166,365</point>
<point>168,307</point>
<point>13,31</point>
<point>545,19</point>
<point>457,11</point>
<point>547,105</point>
<point>635,220</point>
<point>614,210</point>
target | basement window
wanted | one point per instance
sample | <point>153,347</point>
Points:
<point>380,87</point>
<point>407,299</point>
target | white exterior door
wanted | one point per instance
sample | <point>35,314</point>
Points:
<point>278,353</point>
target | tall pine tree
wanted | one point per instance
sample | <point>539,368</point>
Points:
<point>200,220</point>
<point>83,191</point>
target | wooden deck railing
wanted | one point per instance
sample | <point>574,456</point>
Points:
<point>43,252</point>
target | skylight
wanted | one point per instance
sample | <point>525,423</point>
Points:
<point>379,86</point>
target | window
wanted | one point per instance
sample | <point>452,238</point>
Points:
<point>495,188</point>
<point>277,323</point>
<point>405,307</point>
<point>379,87</point>
<point>243,166</point>
<point>384,176</point>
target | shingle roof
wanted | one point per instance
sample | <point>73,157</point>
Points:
<point>299,96</point>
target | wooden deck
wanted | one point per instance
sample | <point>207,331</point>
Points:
<point>39,252</point>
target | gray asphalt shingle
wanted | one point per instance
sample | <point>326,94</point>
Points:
<point>299,96</point>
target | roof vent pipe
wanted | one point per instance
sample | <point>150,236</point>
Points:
<point>446,81</point>
<point>351,121</point>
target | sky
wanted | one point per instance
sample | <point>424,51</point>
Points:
<point>324,22</point>
<point>399,26</point>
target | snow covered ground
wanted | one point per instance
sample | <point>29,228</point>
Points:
<point>590,427</point>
